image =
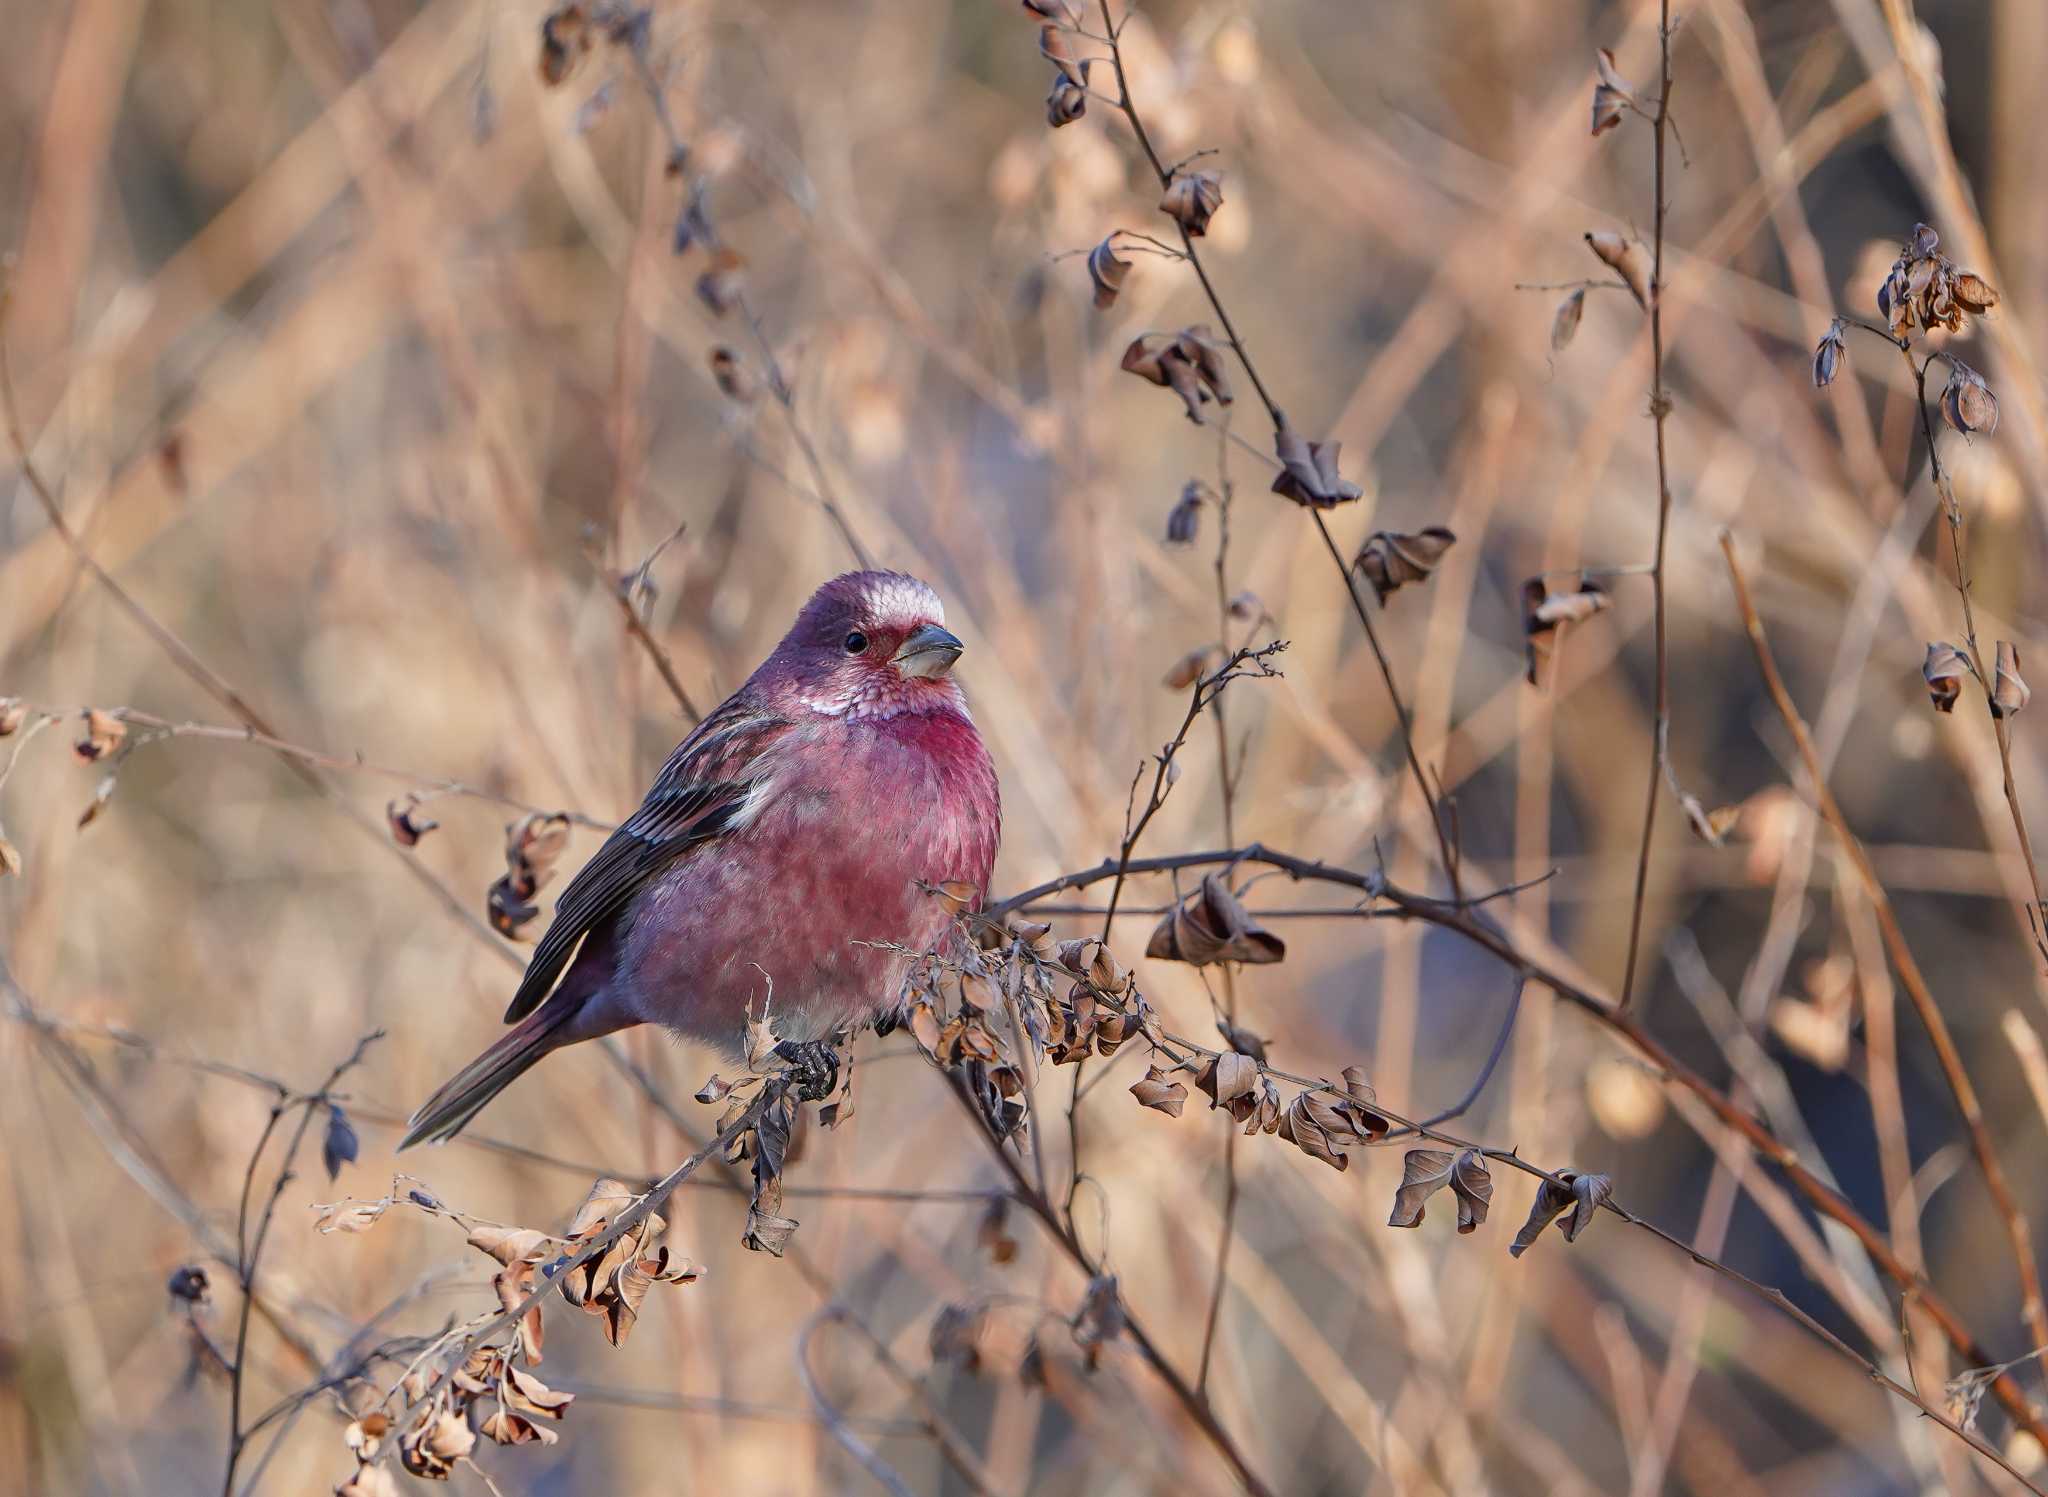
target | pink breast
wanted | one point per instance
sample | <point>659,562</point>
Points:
<point>808,895</point>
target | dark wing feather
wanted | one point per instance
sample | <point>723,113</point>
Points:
<point>704,783</point>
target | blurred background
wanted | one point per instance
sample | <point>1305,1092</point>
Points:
<point>364,362</point>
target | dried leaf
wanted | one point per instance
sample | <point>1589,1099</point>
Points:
<point>1625,258</point>
<point>1711,827</point>
<point>13,713</point>
<point>993,1234</point>
<point>1390,560</point>
<point>1321,1125</point>
<point>1192,667</point>
<point>1056,48</point>
<point>1308,472</point>
<point>1191,199</point>
<point>339,1145</point>
<point>1067,100</point>
<point>767,1232</point>
<point>407,825</point>
<point>1423,1173</point>
<point>1564,326</point>
<point>349,1216</point>
<point>433,1446</point>
<point>1183,521</point>
<point>514,1245</point>
<point>1827,358</point>
<point>1107,270</point>
<point>566,37</point>
<point>1973,293</point>
<point>1473,1187</point>
<point>1611,93</point>
<point>1946,669</point>
<point>956,1334</point>
<point>722,282</point>
<point>369,1481</point>
<point>1579,1195</point>
<point>1964,1393</point>
<point>1211,926</point>
<point>103,734</point>
<point>1101,1317</point>
<point>2009,692</point>
<point>1158,1091</point>
<point>10,859</point>
<point>1543,611</point>
<point>734,379</point>
<point>1189,362</point>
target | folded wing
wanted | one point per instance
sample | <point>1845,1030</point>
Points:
<point>699,796</point>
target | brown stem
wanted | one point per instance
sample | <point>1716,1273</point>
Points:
<point>1660,408</point>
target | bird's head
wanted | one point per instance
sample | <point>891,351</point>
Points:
<point>872,644</point>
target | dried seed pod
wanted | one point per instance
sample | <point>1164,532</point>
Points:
<point>1191,199</point>
<point>1827,358</point>
<point>2009,692</point>
<point>1389,560</point>
<point>1565,325</point>
<point>1945,671</point>
<point>720,286</point>
<point>1107,271</point>
<point>1967,403</point>
<point>1308,472</point>
<point>1625,258</point>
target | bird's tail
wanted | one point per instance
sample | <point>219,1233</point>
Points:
<point>464,1094</point>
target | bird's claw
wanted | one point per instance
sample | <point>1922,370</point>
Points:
<point>815,1066</point>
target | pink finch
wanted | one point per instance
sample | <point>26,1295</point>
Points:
<point>778,858</point>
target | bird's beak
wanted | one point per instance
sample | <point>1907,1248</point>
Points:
<point>929,651</point>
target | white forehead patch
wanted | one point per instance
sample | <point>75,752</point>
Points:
<point>903,601</point>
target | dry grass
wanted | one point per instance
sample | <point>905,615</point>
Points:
<point>360,362</point>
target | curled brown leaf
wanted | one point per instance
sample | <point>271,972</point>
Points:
<point>1945,670</point>
<point>1390,560</point>
<point>1625,258</point>
<point>1191,199</point>
<point>1308,472</point>
<point>2009,693</point>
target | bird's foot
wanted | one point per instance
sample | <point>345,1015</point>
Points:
<point>815,1066</point>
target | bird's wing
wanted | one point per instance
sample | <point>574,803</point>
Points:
<point>696,798</point>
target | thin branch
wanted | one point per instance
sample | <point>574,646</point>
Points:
<point>2001,727</point>
<point>1660,409</point>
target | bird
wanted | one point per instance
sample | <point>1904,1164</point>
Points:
<point>785,860</point>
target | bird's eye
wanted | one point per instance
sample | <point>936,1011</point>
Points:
<point>856,643</point>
